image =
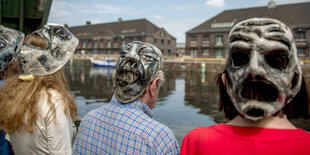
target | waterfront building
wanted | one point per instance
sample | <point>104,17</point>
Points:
<point>107,38</point>
<point>209,39</point>
<point>180,49</point>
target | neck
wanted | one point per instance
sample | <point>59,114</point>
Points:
<point>273,122</point>
<point>146,100</point>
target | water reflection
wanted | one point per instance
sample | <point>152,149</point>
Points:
<point>188,99</point>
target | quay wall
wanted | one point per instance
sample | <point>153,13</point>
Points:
<point>189,63</point>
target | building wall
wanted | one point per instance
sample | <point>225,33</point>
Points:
<point>110,44</point>
<point>165,42</point>
<point>196,48</point>
<point>206,48</point>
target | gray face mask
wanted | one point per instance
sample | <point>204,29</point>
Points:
<point>263,71</point>
<point>44,61</point>
<point>138,65</point>
<point>10,44</point>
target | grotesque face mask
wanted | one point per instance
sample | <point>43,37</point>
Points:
<point>263,71</point>
<point>44,61</point>
<point>10,43</point>
<point>138,65</point>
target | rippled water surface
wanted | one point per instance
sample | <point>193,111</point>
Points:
<point>188,99</point>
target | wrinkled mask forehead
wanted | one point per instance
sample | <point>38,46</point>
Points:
<point>138,64</point>
<point>55,34</point>
<point>144,52</point>
<point>10,43</point>
<point>263,71</point>
<point>61,44</point>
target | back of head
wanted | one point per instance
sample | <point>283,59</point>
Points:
<point>59,46</point>
<point>43,54</point>
<point>10,43</point>
<point>138,65</point>
<point>263,73</point>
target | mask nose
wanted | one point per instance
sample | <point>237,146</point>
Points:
<point>256,65</point>
<point>133,55</point>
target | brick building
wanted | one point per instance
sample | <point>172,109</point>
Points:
<point>107,38</point>
<point>209,39</point>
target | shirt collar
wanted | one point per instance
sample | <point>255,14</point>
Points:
<point>134,104</point>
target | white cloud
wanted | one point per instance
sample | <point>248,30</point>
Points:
<point>59,12</point>
<point>176,29</point>
<point>158,17</point>
<point>98,8</point>
<point>182,7</point>
<point>216,3</point>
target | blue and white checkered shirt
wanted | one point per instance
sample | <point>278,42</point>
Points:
<point>124,128</point>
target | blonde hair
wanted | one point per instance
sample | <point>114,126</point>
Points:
<point>19,99</point>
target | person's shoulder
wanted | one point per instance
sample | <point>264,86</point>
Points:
<point>203,130</point>
<point>204,134</point>
<point>155,131</point>
<point>95,114</point>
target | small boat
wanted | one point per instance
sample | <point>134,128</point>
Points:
<point>107,62</point>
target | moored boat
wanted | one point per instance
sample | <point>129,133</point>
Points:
<point>107,62</point>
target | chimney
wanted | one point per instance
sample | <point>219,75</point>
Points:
<point>88,23</point>
<point>66,25</point>
<point>271,4</point>
<point>119,20</point>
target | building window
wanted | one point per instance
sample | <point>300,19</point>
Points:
<point>109,44</point>
<point>193,52</point>
<point>123,42</point>
<point>162,43</point>
<point>168,42</point>
<point>218,53</point>
<point>101,45</point>
<point>155,41</point>
<point>162,34</point>
<point>205,39</point>
<point>89,44</point>
<point>95,44</point>
<point>130,39</point>
<point>301,35</point>
<point>193,38</point>
<point>301,51</point>
<point>168,52</point>
<point>205,52</point>
<point>219,40</point>
<point>84,44</point>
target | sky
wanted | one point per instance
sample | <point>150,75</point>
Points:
<point>175,16</point>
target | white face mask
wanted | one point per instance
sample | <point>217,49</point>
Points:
<point>263,71</point>
<point>138,64</point>
<point>44,61</point>
<point>10,44</point>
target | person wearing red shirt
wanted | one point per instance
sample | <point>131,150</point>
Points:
<point>261,89</point>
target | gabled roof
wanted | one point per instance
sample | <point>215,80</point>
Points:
<point>139,26</point>
<point>295,15</point>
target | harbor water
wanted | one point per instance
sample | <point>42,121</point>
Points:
<point>188,98</point>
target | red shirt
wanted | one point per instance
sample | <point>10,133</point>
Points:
<point>229,140</point>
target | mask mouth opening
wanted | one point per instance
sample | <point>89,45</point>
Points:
<point>128,72</point>
<point>260,91</point>
<point>36,41</point>
<point>255,113</point>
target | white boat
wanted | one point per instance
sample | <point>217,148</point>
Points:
<point>107,62</point>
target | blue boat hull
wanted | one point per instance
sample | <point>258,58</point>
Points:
<point>111,66</point>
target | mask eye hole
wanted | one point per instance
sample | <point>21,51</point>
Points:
<point>2,44</point>
<point>277,59</point>
<point>239,58</point>
<point>62,33</point>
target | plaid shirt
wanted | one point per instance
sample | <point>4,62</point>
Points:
<point>124,128</point>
